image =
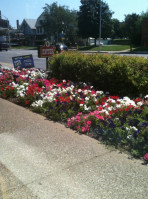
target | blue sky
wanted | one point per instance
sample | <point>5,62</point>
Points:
<point>31,9</point>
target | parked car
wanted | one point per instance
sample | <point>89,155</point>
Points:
<point>61,47</point>
<point>4,46</point>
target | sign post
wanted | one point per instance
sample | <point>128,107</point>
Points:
<point>46,51</point>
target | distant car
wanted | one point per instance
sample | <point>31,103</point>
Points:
<point>97,44</point>
<point>4,46</point>
<point>61,47</point>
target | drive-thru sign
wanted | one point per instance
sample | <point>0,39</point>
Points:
<point>46,51</point>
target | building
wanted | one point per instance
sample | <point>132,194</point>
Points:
<point>29,30</point>
<point>144,35</point>
<point>40,31</point>
<point>4,23</point>
<point>4,29</point>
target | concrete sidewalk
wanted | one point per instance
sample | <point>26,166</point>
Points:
<point>43,159</point>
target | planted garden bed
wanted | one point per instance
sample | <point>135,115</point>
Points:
<point>122,122</point>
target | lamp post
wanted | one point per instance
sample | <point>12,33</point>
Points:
<point>100,26</point>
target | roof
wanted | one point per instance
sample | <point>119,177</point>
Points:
<point>39,18</point>
<point>31,23</point>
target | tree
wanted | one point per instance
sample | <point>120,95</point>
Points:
<point>89,19</point>
<point>60,20</point>
<point>117,30</point>
<point>131,24</point>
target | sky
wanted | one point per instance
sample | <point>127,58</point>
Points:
<point>31,9</point>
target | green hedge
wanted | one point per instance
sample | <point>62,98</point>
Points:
<point>113,73</point>
<point>121,41</point>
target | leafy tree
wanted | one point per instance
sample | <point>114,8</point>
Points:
<point>89,19</point>
<point>132,31</point>
<point>117,29</point>
<point>60,20</point>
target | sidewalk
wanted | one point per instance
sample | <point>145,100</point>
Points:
<point>43,159</point>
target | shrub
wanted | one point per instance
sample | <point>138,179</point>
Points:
<point>121,41</point>
<point>116,74</point>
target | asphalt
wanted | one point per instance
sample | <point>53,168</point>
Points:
<point>41,159</point>
<point>123,52</point>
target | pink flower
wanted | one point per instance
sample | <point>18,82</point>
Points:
<point>77,118</point>
<point>79,113</point>
<point>146,156</point>
<point>89,123</point>
<point>78,127</point>
<point>99,117</point>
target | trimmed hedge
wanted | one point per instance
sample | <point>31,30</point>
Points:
<point>121,41</point>
<point>118,75</point>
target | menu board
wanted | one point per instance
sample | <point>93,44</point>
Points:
<point>25,61</point>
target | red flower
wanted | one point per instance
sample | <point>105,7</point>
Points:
<point>146,156</point>
<point>27,102</point>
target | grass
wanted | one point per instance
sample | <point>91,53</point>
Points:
<point>107,48</point>
<point>141,48</point>
<point>24,47</point>
<point>93,48</point>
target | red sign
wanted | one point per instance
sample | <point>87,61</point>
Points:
<point>47,50</point>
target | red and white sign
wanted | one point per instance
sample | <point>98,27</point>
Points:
<point>47,50</point>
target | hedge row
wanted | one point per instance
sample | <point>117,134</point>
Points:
<point>118,75</point>
<point>121,41</point>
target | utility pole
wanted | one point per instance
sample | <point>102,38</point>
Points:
<point>100,26</point>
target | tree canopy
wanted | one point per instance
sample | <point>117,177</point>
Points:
<point>59,20</point>
<point>89,19</point>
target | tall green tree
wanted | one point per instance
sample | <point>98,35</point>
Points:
<point>117,29</point>
<point>60,20</point>
<point>132,31</point>
<point>89,19</point>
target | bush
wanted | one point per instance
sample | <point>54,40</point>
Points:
<point>118,75</point>
<point>121,41</point>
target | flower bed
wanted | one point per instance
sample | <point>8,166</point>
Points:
<point>121,122</point>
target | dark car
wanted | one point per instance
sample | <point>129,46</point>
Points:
<point>61,47</point>
<point>4,46</point>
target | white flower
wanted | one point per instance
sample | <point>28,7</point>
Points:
<point>87,108</point>
<point>86,98</point>
<point>110,108</point>
<point>134,128</point>
<point>111,100</point>
<point>99,92</point>
<point>129,137</point>
<point>14,84</point>
<point>139,103</point>
<point>127,128</point>
<point>79,90</point>
<point>38,103</point>
<point>116,118</point>
<point>26,84</point>
<point>20,94</point>
<point>85,92</point>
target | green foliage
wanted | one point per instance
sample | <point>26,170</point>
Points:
<point>59,19</point>
<point>121,41</point>
<point>89,18</point>
<point>132,29</point>
<point>116,74</point>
